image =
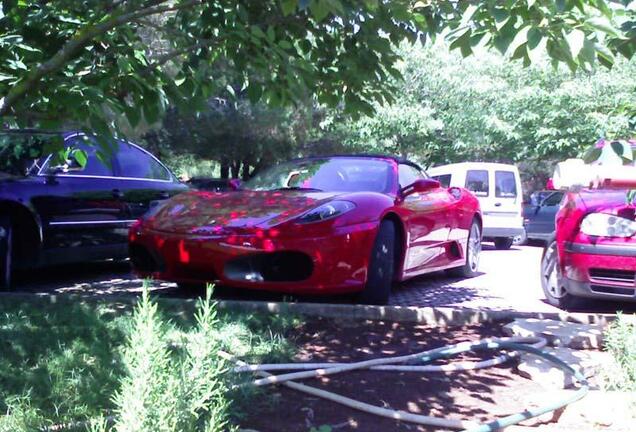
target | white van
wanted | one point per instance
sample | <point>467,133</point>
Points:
<point>498,189</point>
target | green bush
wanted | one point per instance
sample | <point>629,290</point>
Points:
<point>620,342</point>
<point>101,368</point>
<point>172,384</point>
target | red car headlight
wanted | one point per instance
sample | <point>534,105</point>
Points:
<point>607,225</point>
<point>326,211</point>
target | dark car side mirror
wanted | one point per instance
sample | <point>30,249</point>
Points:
<point>234,184</point>
<point>420,186</point>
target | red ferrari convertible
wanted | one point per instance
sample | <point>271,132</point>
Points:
<point>321,225</point>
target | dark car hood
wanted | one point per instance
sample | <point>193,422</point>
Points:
<point>209,213</point>
<point>606,201</point>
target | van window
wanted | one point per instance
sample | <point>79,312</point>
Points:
<point>444,180</point>
<point>505,184</point>
<point>477,182</point>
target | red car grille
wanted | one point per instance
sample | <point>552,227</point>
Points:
<point>610,281</point>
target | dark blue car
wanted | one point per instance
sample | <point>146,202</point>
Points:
<point>76,211</point>
<point>539,214</point>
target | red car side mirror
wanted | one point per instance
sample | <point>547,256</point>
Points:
<point>550,185</point>
<point>420,186</point>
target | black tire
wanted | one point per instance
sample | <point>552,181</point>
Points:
<point>503,243</point>
<point>6,252</point>
<point>192,288</point>
<point>473,249</point>
<point>381,267</point>
<point>551,279</point>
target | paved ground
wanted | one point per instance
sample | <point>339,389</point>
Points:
<point>509,280</point>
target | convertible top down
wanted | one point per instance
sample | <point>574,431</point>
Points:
<point>319,225</point>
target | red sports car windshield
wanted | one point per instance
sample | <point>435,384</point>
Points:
<point>336,174</point>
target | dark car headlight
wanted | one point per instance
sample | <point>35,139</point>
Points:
<point>326,211</point>
<point>607,225</point>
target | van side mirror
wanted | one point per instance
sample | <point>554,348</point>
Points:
<point>420,186</point>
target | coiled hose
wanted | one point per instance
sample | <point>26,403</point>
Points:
<point>513,345</point>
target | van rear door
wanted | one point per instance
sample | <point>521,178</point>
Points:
<point>499,193</point>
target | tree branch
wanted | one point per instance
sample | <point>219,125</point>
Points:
<point>78,42</point>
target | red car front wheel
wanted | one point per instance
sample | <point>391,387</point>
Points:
<point>381,266</point>
<point>551,279</point>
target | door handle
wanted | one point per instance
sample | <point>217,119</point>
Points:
<point>497,204</point>
<point>117,193</point>
<point>164,195</point>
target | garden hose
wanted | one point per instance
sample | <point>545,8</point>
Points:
<point>514,345</point>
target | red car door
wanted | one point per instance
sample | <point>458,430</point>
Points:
<point>428,221</point>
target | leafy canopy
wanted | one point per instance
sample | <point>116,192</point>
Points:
<point>93,63</point>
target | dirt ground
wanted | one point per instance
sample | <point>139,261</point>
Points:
<point>477,395</point>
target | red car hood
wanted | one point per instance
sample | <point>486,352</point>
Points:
<point>209,213</point>
<point>607,201</point>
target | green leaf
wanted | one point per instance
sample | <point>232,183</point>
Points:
<point>505,36</point>
<point>534,37</point>
<point>463,43</point>
<point>592,155</point>
<point>254,91</point>
<point>623,149</point>
<point>288,6</point>
<point>575,40</point>
<point>284,44</point>
<point>319,9</point>
<point>520,39</point>
<point>80,156</point>
<point>256,31</point>
<point>603,25</point>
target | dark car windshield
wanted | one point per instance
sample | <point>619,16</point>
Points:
<point>336,174</point>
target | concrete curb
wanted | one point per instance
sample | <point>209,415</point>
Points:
<point>431,316</point>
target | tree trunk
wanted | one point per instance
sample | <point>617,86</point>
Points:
<point>225,169</point>
<point>236,169</point>
<point>245,175</point>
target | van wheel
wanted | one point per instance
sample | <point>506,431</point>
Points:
<point>381,267</point>
<point>503,243</point>
<point>6,252</point>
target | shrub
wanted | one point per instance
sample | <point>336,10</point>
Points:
<point>620,342</point>
<point>172,385</point>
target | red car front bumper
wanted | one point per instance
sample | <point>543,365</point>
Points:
<point>321,265</point>
<point>600,270</point>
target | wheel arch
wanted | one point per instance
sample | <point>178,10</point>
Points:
<point>400,244</point>
<point>27,229</point>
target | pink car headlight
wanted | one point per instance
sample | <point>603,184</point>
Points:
<point>607,225</point>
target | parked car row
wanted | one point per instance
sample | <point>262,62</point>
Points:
<point>333,224</point>
<point>316,225</point>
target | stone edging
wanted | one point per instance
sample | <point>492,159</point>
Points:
<point>432,316</point>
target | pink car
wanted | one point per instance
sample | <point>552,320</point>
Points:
<point>593,252</point>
